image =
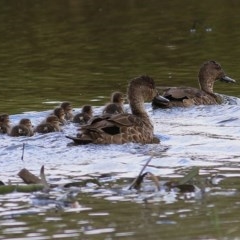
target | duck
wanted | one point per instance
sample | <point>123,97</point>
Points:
<point>60,114</point>
<point>84,116</point>
<point>209,73</point>
<point>125,127</point>
<point>24,128</point>
<point>68,110</point>
<point>116,104</point>
<point>5,123</point>
<point>52,124</point>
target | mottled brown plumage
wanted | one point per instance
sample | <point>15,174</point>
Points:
<point>60,114</point>
<point>84,116</point>
<point>123,128</point>
<point>5,124</point>
<point>209,72</point>
<point>52,124</point>
<point>116,104</point>
<point>67,107</point>
<point>24,128</point>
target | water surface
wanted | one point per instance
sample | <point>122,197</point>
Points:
<point>81,51</point>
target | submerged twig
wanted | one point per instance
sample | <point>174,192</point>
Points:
<point>137,181</point>
<point>23,148</point>
<point>43,179</point>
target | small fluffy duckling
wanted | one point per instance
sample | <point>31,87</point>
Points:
<point>24,128</point>
<point>5,125</point>
<point>60,114</point>
<point>116,104</point>
<point>67,107</point>
<point>84,116</point>
<point>52,124</point>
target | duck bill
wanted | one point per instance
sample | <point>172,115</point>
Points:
<point>227,79</point>
<point>160,99</point>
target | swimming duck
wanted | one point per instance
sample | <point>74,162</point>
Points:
<point>116,105</point>
<point>67,107</point>
<point>60,114</point>
<point>5,125</point>
<point>209,72</point>
<point>24,128</point>
<point>52,124</point>
<point>84,116</point>
<point>123,128</point>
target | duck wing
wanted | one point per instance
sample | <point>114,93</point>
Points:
<point>111,124</point>
<point>180,93</point>
<point>186,97</point>
<point>104,127</point>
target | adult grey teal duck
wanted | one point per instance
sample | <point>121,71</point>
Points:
<point>122,128</point>
<point>209,73</point>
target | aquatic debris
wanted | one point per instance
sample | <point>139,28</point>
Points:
<point>183,185</point>
<point>28,177</point>
<point>138,180</point>
<point>43,179</point>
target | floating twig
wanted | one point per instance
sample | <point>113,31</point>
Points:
<point>137,181</point>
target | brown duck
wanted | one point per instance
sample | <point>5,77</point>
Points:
<point>123,128</point>
<point>209,73</point>
<point>116,104</point>
<point>5,124</point>
<point>52,124</point>
<point>84,116</point>
<point>24,128</point>
<point>60,114</point>
<point>68,110</point>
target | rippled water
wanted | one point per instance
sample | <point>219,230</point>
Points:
<point>81,51</point>
<point>204,136</point>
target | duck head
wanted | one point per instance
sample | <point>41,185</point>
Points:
<point>211,72</point>
<point>117,97</point>
<point>59,112</point>
<point>26,122</point>
<point>67,107</point>
<point>142,89</point>
<point>87,109</point>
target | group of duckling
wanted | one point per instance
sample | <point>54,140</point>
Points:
<point>115,125</point>
<point>60,116</point>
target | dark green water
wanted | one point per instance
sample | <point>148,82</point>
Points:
<point>81,51</point>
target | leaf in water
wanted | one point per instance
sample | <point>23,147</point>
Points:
<point>20,188</point>
<point>192,174</point>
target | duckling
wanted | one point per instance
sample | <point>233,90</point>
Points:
<point>122,128</point>
<point>84,116</point>
<point>5,125</point>
<point>116,105</point>
<point>67,107</point>
<point>60,114</point>
<point>209,73</point>
<point>52,124</point>
<point>24,128</point>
